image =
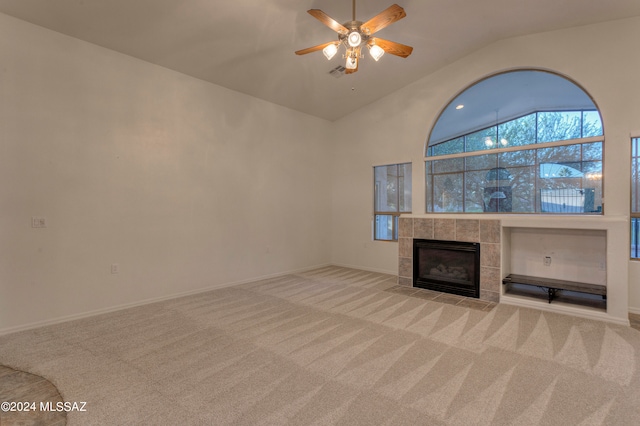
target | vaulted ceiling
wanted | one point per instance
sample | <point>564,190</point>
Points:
<point>248,45</point>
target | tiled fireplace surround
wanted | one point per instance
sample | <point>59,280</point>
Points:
<point>485,232</point>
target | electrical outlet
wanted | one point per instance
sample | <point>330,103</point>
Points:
<point>38,222</point>
<point>547,261</point>
<point>115,268</point>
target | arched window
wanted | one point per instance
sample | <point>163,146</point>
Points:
<point>523,141</point>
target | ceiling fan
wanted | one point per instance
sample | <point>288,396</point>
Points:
<point>354,35</point>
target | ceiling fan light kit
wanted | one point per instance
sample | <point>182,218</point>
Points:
<point>376,52</point>
<point>330,51</point>
<point>352,60</point>
<point>353,35</point>
<point>354,39</point>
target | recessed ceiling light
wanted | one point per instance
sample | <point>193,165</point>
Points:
<point>460,106</point>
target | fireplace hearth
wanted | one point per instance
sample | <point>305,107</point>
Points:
<point>447,266</point>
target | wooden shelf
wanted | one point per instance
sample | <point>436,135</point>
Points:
<point>554,285</point>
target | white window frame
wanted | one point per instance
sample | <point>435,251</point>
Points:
<point>394,214</point>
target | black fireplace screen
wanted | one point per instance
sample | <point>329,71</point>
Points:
<point>447,266</point>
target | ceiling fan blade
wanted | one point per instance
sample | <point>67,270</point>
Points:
<point>385,18</point>
<point>392,47</point>
<point>314,48</point>
<point>328,21</point>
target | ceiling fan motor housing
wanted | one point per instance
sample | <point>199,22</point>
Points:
<point>355,36</point>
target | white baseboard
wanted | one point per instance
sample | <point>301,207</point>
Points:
<point>563,309</point>
<point>635,311</point>
<point>95,312</point>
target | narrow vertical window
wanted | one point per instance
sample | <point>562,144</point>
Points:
<point>392,196</point>
<point>635,198</point>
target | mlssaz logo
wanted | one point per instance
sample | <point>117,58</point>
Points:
<point>63,406</point>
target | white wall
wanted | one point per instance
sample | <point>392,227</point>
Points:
<point>187,185</point>
<point>576,255</point>
<point>184,184</point>
<point>601,58</point>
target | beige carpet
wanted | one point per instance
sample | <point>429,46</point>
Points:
<point>334,346</point>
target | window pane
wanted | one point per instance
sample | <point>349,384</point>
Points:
<point>518,132</point>
<point>482,140</point>
<point>592,170</point>
<point>523,194</point>
<point>497,196</point>
<point>404,186</point>
<point>450,147</point>
<point>447,166</point>
<point>559,126</point>
<point>429,185</point>
<point>567,186</point>
<point>482,162</point>
<point>517,158</point>
<point>384,227</point>
<point>592,151</point>
<point>635,238</point>
<point>386,188</point>
<point>635,175</point>
<point>559,154</point>
<point>447,193</point>
<point>592,184</point>
<point>511,95</point>
<point>635,197</point>
<point>474,191</point>
<point>560,170</point>
<point>635,185</point>
<point>591,124</point>
<point>562,200</point>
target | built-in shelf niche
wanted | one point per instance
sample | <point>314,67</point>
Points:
<point>564,254</point>
<point>582,250</point>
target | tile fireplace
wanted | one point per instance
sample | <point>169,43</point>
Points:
<point>485,234</point>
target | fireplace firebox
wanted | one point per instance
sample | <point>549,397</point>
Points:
<point>447,266</point>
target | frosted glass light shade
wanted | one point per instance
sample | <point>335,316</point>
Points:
<point>376,52</point>
<point>354,39</point>
<point>330,51</point>
<point>352,62</point>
